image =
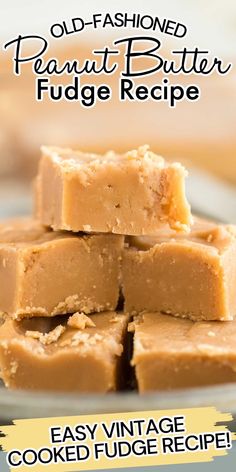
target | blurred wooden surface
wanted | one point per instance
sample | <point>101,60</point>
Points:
<point>201,132</point>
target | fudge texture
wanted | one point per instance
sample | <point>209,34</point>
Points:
<point>171,353</point>
<point>134,193</point>
<point>192,276</point>
<point>50,354</point>
<point>45,273</point>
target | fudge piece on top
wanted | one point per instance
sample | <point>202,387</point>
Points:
<point>134,193</point>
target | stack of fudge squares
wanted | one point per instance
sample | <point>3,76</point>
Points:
<point>111,258</point>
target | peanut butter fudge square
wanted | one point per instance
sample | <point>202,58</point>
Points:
<point>171,353</point>
<point>134,193</point>
<point>45,273</point>
<point>84,354</point>
<point>192,276</point>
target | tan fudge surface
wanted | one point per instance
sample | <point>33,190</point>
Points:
<point>65,358</point>
<point>134,193</point>
<point>171,353</point>
<point>45,273</point>
<point>191,276</point>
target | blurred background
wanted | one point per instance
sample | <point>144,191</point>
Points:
<point>202,135</point>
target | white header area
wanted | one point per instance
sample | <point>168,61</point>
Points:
<point>211,23</point>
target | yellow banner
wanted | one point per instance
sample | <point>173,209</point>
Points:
<point>108,441</point>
